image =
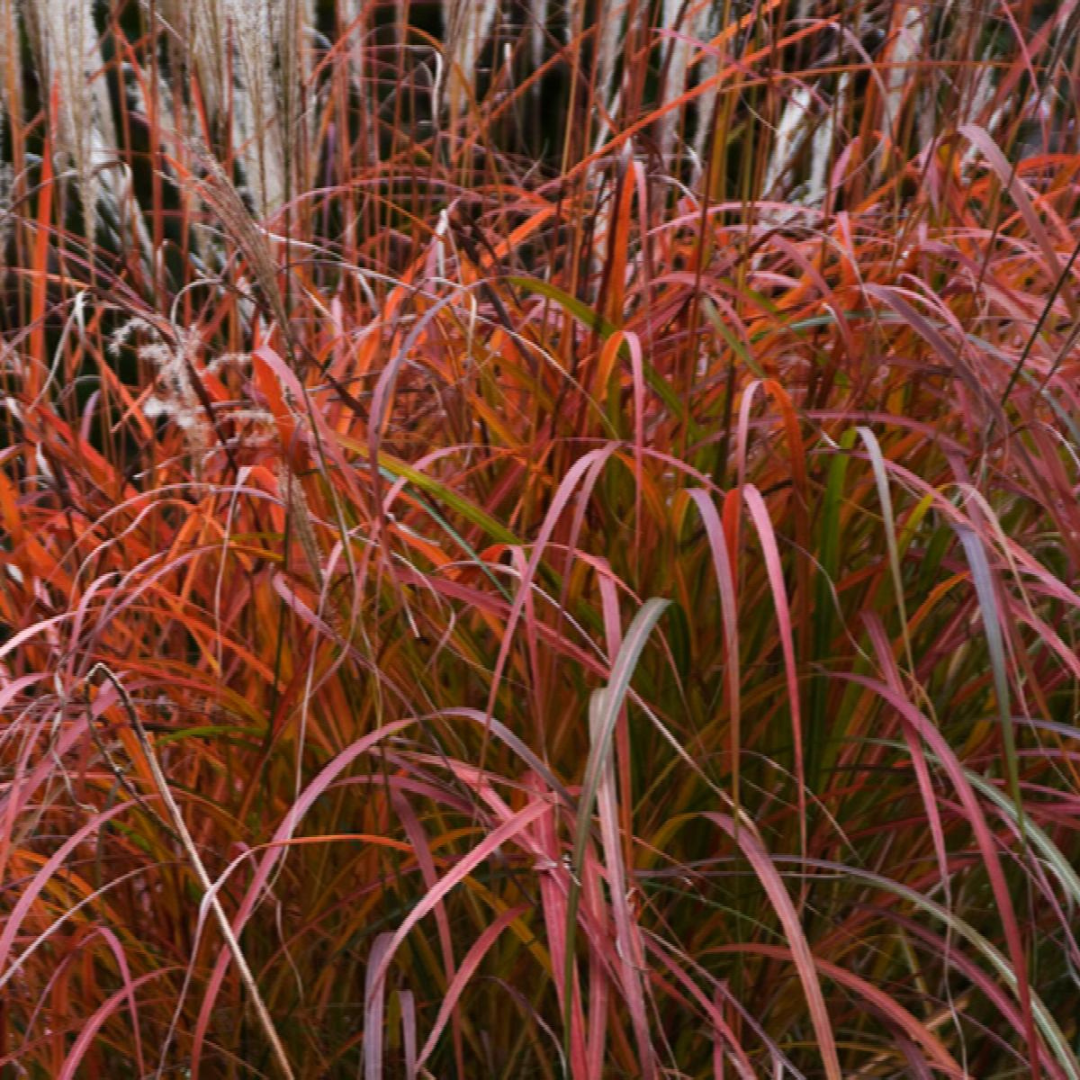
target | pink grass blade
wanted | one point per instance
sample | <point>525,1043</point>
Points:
<point>374,1003</point>
<point>725,581</point>
<point>93,1025</point>
<point>986,845</point>
<point>509,829</point>
<point>469,963</point>
<point>757,856</point>
<point>628,939</point>
<point>767,538</point>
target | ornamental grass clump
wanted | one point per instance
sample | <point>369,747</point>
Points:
<point>539,540</point>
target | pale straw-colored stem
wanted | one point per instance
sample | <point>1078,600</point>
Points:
<point>177,821</point>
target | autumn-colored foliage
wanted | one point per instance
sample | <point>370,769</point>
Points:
<point>539,540</point>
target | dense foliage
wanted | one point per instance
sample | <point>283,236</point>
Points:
<point>539,539</point>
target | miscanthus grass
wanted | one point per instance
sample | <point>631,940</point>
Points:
<point>539,539</point>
